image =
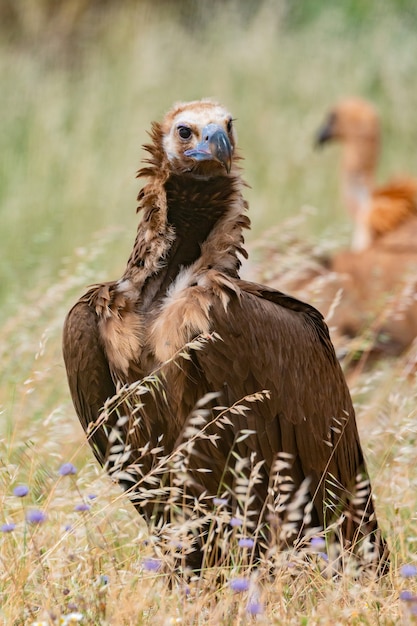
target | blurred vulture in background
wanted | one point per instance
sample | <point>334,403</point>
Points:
<point>370,288</point>
<point>376,211</point>
<point>298,439</point>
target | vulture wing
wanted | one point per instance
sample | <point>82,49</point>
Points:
<point>271,341</point>
<point>88,373</point>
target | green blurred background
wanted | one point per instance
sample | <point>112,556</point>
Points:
<point>81,81</point>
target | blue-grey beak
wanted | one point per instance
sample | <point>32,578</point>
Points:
<point>214,146</point>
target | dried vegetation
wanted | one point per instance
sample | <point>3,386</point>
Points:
<point>72,549</point>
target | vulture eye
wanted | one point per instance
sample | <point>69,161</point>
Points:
<point>229,125</point>
<point>184,132</point>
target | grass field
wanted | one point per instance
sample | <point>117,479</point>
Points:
<point>74,117</point>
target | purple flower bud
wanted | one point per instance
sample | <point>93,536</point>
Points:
<point>151,565</point>
<point>66,469</point>
<point>21,491</point>
<point>407,596</point>
<point>239,584</point>
<point>254,607</point>
<point>408,570</point>
<point>235,522</point>
<point>219,501</point>
<point>246,542</point>
<point>318,543</point>
<point>92,496</point>
<point>82,506</point>
<point>7,528</point>
<point>35,516</point>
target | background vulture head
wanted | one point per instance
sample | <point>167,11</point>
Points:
<point>355,124</point>
<point>199,139</point>
<point>350,119</point>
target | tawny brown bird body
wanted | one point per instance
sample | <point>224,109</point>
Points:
<point>376,211</point>
<point>181,282</point>
<point>367,296</point>
<point>377,275</point>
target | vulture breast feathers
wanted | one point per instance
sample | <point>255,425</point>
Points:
<point>181,319</point>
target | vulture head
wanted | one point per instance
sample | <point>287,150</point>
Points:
<point>198,138</point>
<point>355,124</point>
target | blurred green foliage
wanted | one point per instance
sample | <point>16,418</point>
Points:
<point>81,81</point>
<point>23,20</point>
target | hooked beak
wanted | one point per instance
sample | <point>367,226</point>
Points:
<point>215,146</point>
<point>325,132</point>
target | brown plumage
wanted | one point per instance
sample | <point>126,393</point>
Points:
<point>376,211</point>
<point>182,281</point>
<point>369,296</point>
<point>375,279</point>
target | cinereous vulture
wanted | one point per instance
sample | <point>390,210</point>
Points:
<point>181,285</point>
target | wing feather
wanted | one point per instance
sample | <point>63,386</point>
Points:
<point>272,341</point>
<point>88,373</point>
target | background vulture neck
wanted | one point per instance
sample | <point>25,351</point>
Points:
<point>357,190</point>
<point>359,160</point>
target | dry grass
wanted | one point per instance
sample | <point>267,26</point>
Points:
<point>72,130</point>
<point>101,563</point>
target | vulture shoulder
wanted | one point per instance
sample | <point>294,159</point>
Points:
<point>393,204</point>
<point>88,372</point>
<point>271,341</point>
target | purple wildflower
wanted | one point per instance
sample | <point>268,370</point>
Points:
<point>408,571</point>
<point>254,607</point>
<point>239,584</point>
<point>7,528</point>
<point>219,501</point>
<point>92,496</point>
<point>66,469</point>
<point>82,506</point>
<point>235,521</point>
<point>21,491</point>
<point>246,542</point>
<point>407,596</point>
<point>151,565</point>
<point>318,543</point>
<point>35,516</point>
